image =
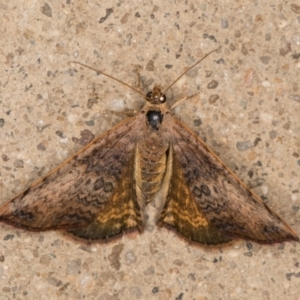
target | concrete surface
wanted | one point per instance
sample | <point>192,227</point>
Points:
<point>246,107</point>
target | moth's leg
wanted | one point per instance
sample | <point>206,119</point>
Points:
<point>183,99</point>
<point>178,102</point>
<point>140,84</point>
<point>126,112</point>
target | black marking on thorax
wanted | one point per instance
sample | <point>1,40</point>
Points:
<point>154,119</point>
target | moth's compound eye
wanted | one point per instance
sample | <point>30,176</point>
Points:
<point>149,95</point>
<point>162,98</point>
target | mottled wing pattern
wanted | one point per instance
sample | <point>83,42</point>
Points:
<point>219,199</point>
<point>94,187</point>
<point>121,212</point>
<point>182,213</point>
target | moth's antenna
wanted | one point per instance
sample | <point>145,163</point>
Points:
<point>196,63</point>
<point>109,76</point>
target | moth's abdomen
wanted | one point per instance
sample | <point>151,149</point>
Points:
<point>151,165</point>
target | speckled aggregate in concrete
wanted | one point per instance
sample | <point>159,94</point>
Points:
<point>246,107</point>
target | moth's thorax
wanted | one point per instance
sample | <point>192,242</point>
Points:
<point>154,119</point>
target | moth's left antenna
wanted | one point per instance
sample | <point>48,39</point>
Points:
<point>109,76</point>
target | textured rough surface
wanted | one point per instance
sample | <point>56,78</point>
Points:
<point>45,101</point>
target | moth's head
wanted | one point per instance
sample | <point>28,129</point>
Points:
<point>156,96</point>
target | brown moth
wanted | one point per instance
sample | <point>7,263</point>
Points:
<point>102,190</point>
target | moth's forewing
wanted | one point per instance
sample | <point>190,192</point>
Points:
<point>80,190</point>
<point>207,191</point>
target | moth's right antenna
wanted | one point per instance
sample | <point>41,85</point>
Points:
<point>196,63</point>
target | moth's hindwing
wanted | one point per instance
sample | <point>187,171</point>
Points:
<point>182,213</point>
<point>120,213</point>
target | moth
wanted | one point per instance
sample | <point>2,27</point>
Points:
<point>102,191</point>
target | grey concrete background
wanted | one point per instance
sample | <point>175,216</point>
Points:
<point>246,108</point>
